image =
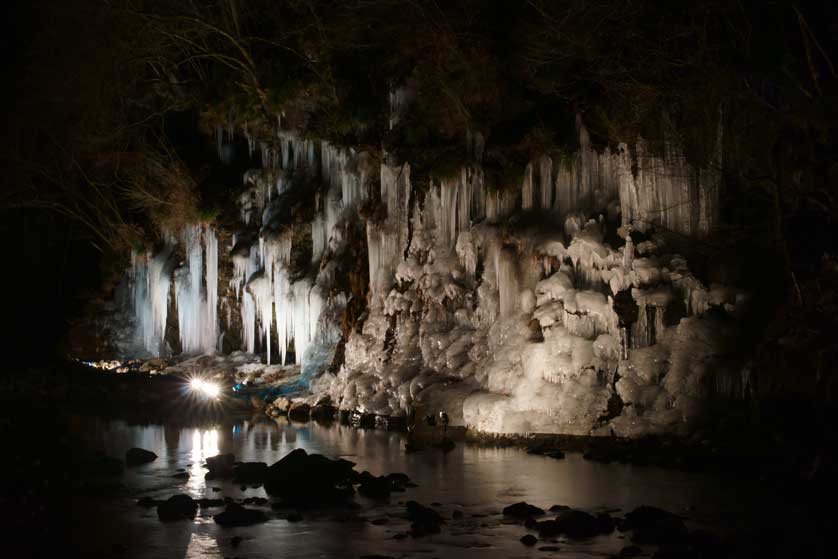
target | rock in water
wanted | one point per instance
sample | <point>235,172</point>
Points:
<point>374,487</point>
<point>522,510</point>
<point>299,411</point>
<point>220,466</point>
<point>237,515</point>
<point>423,520</point>
<point>309,478</point>
<point>177,507</point>
<point>529,540</point>
<point>137,456</point>
<point>250,472</point>
<point>578,524</point>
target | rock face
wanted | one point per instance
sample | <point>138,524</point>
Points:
<point>177,507</point>
<point>309,478</point>
<point>137,456</point>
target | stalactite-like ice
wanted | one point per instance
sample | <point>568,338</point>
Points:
<point>197,303</point>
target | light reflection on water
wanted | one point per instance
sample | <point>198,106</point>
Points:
<point>204,445</point>
<point>474,480</point>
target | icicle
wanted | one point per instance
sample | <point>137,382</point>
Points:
<point>527,194</point>
<point>545,175</point>
<point>507,281</point>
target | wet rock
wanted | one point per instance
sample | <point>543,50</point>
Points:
<point>374,487</point>
<point>573,523</point>
<point>423,520</point>
<point>655,526</point>
<point>363,420</point>
<point>294,517</point>
<point>399,481</point>
<point>309,478</point>
<point>299,411</point>
<point>216,489</point>
<point>631,551</point>
<point>221,466</point>
<point>177,507</point>
<point>235,541</point>
<point>323,412</point>
<point>181,475</point>
<point>530,523</point>
<point>577,524</point>
<point>559,508</point>
<point>549,548</point>
<point>529,540</point>
<point>522,510</point>
<point>138,456</point>
<point>237,515</point>
<point>249,472</point>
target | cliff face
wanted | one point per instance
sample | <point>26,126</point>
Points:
<point>546,307</point>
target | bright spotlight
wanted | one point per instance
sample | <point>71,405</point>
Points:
<point>205,388</point>
<point>211,389</point>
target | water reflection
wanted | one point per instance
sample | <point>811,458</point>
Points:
<point>202,546</point>
<point>476,481</point>
<point>204,445</point>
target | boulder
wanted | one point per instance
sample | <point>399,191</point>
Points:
<point>423,520</point>
<point>374,487</point>
<point>177,507</point>
<point>250,472</point>
<point>220,466</point>
<point>522,510</point>
<point>529,540</point>
<point>299,411</point>
<point>237,515</point>
<point>309,478</point>
<point>578,524</point>
<point>137,456</point>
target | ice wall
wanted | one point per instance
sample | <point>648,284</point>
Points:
<point>505,308</point>
<point>509,324</point>
<point>195,292</point>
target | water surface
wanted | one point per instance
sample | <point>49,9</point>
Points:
<point>478,481</point>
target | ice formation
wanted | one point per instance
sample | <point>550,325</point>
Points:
<point>509,324</point>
